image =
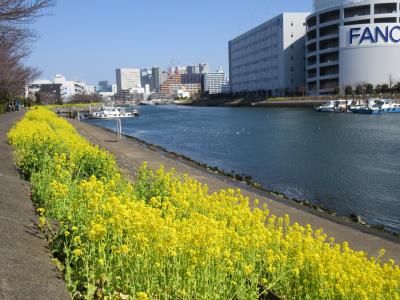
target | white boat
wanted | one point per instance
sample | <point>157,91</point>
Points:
<point>327,107</point>
<point>334,106</point>
<point>110,112</point>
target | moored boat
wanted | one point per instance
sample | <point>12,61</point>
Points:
<point>110,112</point>
<point>339,106</point>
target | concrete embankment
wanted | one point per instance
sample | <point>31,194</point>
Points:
<point>26,270</point>
<point>131,153</point>
<point>281,103</point>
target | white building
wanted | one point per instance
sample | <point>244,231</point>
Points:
<point>269,59</point>
<point>204,68</point>
<point>69,88</point>
<point>181,94</point>
<point>128,79</point>
<point>350,42</point>
<point>90,89</point>
<point>114,88</point>
<point>213,82</point>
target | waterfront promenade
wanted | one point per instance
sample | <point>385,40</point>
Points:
<point>130,155</point>
<point>26,270</point>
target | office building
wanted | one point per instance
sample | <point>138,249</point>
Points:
<point>127,78</point>
<point>213,82</point>
<point>69,88</point>
<point>158,78</point>
<point>44,91</point>
<point>269,59</point>
<point>90,89</point>
<point>191,78</point>
<point>114,88</point>
<point>193,69</point>
<point>104,86</point>
<point>204,68</point>
<point>352,42</point>
<point>175,83</point>
<point>146,77</point>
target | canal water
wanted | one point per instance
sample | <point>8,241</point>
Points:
<point>347,163</point>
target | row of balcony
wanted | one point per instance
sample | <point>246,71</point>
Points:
<point>327,86</point>
<point>327,44</point>
<point>354,11</point>
<point>327,32</point>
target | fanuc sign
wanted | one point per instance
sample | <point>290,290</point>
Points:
<point>371,35</point>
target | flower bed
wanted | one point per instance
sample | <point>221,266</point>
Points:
<point>167,237</point>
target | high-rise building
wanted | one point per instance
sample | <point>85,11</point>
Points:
<point>158,78</point>
<point>127,78</point>
<point>180,70</point>
<point>193,69</point>
<point>269,59</point>
<point>146,77</point>
<point>213,82</point>
<point>174,83</point>
<point>191,78</point>
<point>104,86</point>
<point>204,68</point>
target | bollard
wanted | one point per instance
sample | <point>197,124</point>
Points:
<point>119,129</point>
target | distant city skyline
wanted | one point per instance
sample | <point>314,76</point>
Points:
<point>89,40</point>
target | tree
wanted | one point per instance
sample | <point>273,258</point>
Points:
<point>359,89</point>
<point>81,98</point>
<point>15,41</point>
<point>396,87</point>
<point>369,88</point>
<point>337,91</point>
<point>348,90</point>
<point>385,88</point>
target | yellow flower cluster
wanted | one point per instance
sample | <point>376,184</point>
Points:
<point>167,237</point>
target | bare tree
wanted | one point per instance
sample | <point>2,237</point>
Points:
<point>23,11</point>
<point>15,41</point>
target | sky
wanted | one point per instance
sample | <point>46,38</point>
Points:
<point>88,39</point>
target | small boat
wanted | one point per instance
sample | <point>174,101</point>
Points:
<point>327,107</point>
<point>390,106</point>
<point>395,108</point>
<point>110,112</point>
<point>372,106</point>
<point>339,106</point>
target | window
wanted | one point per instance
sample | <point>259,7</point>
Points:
<point>356,11</point>
<point>312,21</point>
<point>385,8</point>
<point>359,22</point>
<point>329,16</point>
<point>385,20</point>
<point>328,30</point>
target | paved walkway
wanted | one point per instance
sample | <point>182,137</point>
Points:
<point>131,154</point>
<point>26,271</point>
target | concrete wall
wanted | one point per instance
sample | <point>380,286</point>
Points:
<point>261,59</point>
